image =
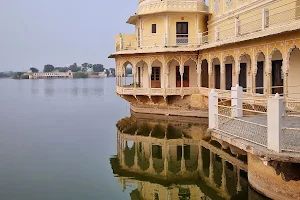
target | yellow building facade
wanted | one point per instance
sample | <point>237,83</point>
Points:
<point>182,49</point>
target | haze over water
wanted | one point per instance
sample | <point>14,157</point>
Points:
<point>57,138</point>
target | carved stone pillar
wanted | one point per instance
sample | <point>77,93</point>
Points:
<point>123,184</point>
<point>167,79</point>
<point>254,73</point>
<point>285,67</point>
<point>164,83</point>
<point>285,85</point>
<point>141,77</point>
<point>125,75</point>
<point>210,75</point>
<point>183,168</point>
<point>136,155</point>
<point>121,78</point>
<point>268,82</point>
<point>134,76</point>
<point>151,167</point>
<point>149,75</point>
<point>238,185</point>
<point>122,157</point>
<point>237,73</point>
<point>268,76</point>
<point>223,77</point>
<point>167,72</point>
<point>200,159</point>
<point>199,75</point>
<point>166,150</point>
<point>211,167</point>
<point>249,78</point>
<point>224,182</point>
<point>181,70</point>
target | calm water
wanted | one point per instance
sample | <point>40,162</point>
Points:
<point>59,139</point>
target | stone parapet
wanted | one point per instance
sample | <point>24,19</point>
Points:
<point>152,6</point>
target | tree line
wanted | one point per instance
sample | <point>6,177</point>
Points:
<point>85,67</point>
<point>80,71</point>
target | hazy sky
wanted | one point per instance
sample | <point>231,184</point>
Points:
<point>60,32</point>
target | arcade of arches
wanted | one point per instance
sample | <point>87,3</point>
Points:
<point>262,68</point>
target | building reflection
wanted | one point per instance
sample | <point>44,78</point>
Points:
<point>167,158</point>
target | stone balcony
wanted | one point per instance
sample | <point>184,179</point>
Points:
<point>130,42</point>
<point>137,91</point>
<point>127,90</point>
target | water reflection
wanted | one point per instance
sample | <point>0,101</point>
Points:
<point>34,88</point>
<point>49,88</point>
<point>171,158</point>
<point>53,87</point>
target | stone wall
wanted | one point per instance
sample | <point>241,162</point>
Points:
<point>264,179</point>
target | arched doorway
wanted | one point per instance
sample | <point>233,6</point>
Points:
<point>204,74</point>
<point>129,152</point>
<point>259,78</point>
<point>190,74</point>
<point>173,73</point>
<point>245,63</point>
<point>294,71</point>
<point>127,74</point>
<point>277,73</point>
<point>229,69</point>
<point>141,74</point>
<point>156,74</point>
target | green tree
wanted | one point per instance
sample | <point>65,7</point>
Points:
<point>34,70</point>
<point>6,74</point>
<point>74,68</point>
<point>24,76</point>
<point>112,72</point>
<point>17,75</point>
<point>80,75</point>
<point>48,68</point>
<point>63,69</point>
<point>85,67</point>
<point>98,68</point>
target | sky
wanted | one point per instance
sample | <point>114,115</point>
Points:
<point>60,32</point>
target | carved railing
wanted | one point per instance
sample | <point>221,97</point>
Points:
<point>159,91</point>
<point>172,5</point>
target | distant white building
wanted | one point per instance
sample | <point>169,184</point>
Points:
<point>46,75</point>
<point>102,74</point>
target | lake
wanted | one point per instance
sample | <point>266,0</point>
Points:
<point>59,141</point>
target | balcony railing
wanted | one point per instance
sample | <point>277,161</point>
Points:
<point>275,18</point>
<point>172,6</point>
<point>155,41</point>
<point>158,91</point>
<point>267,19</point>
<point>182,39</point>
